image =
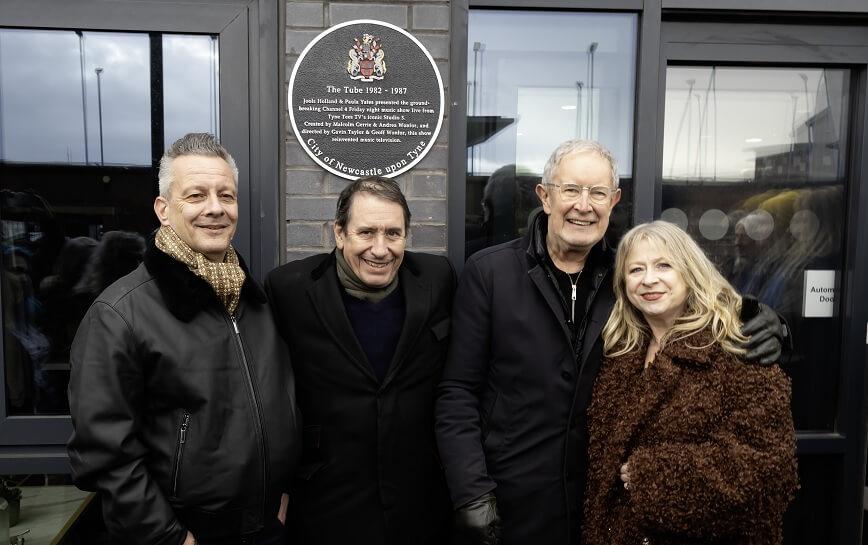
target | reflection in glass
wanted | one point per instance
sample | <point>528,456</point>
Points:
<point>754,124</point>
<point>189,76</point>
<point>42,120</point>
<point>77,183</point>
<point>117,72</point>
<point>764,151</point>
<point>536,79</point>
<point>86,97</point>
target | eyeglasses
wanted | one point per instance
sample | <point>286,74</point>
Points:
<point>598,194</point>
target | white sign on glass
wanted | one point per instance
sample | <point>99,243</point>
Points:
<point>820,294</point>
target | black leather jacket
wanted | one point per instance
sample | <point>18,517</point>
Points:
<point>184,417</point>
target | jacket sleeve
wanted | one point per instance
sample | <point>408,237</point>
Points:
<point>457,412</point>
<point>273,295</point>
<point>742,477</point>
<point>106,397</point>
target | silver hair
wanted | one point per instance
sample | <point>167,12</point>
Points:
<point>194,143</point>
<point>571,147</point>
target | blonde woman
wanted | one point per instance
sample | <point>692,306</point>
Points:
<point>688,444</point>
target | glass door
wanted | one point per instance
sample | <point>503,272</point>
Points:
<point>760,162</point>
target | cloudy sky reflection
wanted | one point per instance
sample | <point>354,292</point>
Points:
<point>43,118</point>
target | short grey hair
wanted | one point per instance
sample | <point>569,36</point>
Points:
<point>571,147</point>
<point>194,143</point>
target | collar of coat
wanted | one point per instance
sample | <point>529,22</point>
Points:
<point>601,258</point>
<point>699,350</point>
<point>409,262</point>
<point>185,293</point>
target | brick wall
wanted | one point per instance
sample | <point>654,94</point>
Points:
<point>311,192</point>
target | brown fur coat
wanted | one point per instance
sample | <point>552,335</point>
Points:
<point>710,446</point>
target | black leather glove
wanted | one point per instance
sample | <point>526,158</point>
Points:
<point>765,333</point>
<point>477,522</point>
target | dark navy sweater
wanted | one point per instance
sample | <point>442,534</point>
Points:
<point>377,326</point>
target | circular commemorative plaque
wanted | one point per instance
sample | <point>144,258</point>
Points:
<point>365,99</point>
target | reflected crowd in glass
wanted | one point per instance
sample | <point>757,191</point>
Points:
<point>48,283</point>
<point>77,179</point>
<point>755,169</point>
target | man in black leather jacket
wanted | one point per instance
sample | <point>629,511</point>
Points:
<point>181,395</point>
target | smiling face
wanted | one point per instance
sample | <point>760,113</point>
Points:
<point>653,285</point>
<point>202,206</point>
<point>577,226</point>
<point>373,239</point>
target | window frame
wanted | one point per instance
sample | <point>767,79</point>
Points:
<point>248,37</point>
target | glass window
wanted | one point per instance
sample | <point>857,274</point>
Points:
<point>534,80</point>
<point>755,168</point>
<point>190,86</point>
<point>86,99</point>
<point>77,181</point>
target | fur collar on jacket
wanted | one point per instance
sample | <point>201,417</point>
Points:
<point>698,350</point>
<point>184,292</point>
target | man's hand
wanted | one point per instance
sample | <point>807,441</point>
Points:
<point>477,523</point>
<point>764,332</point>
<point>190,539</point>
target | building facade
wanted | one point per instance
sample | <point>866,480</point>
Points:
<point>745,122</point>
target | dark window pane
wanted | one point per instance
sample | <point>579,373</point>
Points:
<point>70,224</point>
<point>754,168</point>
<point>536,79</point>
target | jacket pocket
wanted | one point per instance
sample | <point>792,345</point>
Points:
<point>441,329</point>
<point>488,415</point>
<point>179,452</point>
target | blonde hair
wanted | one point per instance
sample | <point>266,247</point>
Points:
<point>711,300</point>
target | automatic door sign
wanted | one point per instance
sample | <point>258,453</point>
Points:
<point>365,98</point>
<point>820,294</point>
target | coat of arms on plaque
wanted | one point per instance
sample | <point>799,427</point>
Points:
<point>366,59</point>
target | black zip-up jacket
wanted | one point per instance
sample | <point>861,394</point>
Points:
<point>184,417</point>
<point>510,414</point>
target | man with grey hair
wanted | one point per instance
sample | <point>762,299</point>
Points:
<point>524,354</point>
<point>181,393</point>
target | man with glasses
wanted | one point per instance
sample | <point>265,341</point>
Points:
<point>524,354</point>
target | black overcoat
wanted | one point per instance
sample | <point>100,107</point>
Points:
<point>512,403</point>
<point>371,473</point>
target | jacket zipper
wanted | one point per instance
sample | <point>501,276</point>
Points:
<point>179,453</point>
<point>257,410</point>
<point>580,334</point>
